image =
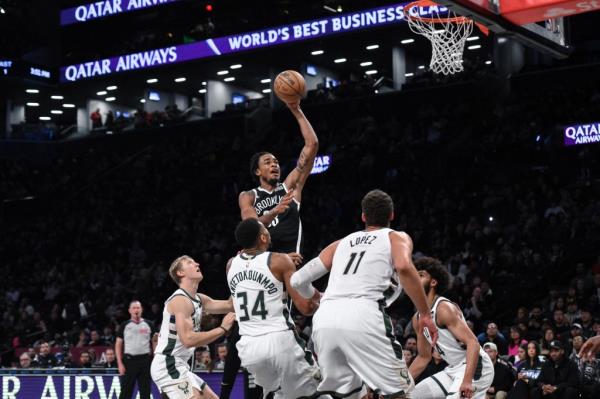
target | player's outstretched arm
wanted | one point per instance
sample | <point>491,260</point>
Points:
<point>306,160</point>
<point>449,315</point>
<point>318,267</point>
<point>215,306</point>
<point>590,348</point>
<point>402,247</point>
<point>182,309</point>
<point>283,268</point>
<point>423,353</point>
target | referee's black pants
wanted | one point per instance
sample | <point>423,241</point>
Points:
<point>137,368</point>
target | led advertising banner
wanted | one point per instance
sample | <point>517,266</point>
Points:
<point>240,42</point>
<point>105,386</point>
<point>105,8</point>
<point>582,134</point>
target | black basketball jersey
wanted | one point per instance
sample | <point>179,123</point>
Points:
<point>285,229</point>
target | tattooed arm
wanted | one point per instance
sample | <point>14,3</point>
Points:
<point>298,176</point>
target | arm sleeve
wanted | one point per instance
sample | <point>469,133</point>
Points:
<point>302,279</point>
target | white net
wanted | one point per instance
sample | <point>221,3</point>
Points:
<point>448,33</point>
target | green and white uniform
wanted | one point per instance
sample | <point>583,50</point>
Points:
<point>170,368</point>
<point>269,347</point>
<point>353,336</point>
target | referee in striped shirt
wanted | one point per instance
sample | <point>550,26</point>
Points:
<point>134,348</point>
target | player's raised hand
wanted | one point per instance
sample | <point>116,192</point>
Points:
<point>427,326</point>
<point>296,258</point>
<point>590,348</point>
<point>284,204</point>
<point>294,105</point>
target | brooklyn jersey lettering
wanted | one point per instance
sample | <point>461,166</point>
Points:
<point>257,295</point>
<point>169,343</point>
<point>362,266</point>
<point>453,351</point>
<point>285,229</point>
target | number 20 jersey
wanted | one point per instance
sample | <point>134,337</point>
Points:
<point>257,295</point>
<point>362,266</point>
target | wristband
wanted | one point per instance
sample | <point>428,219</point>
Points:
<point>224,329</point>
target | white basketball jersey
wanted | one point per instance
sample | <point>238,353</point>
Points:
<point>169,343</point>
<point>362,266</point>
<point>450,349</point>
<point>258,297</point>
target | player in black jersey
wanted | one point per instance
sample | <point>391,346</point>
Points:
<point>277,206</point>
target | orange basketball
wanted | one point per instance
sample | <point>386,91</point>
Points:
<point>289,86</point>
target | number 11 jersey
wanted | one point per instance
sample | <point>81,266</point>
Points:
<point>257,295</point>
<point>362,267</point>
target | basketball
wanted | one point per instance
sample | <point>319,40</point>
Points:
<point>289,86</point>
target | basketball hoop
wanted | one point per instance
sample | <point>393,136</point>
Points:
<point>447,31</point>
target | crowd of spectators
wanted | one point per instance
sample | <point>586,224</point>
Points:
<point>483,184</point>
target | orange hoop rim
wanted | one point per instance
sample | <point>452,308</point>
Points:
<point>439,20</point>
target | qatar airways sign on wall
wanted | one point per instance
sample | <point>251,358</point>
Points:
<point>105,8</point>
<point>582,134</point>
<point>241,42</point>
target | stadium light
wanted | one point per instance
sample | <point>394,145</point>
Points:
<point>220,73</point>
<point>472,38</point>
<point>56,112</point>
<point>109,99</point>
<point>33,104</point>
<point>421,67</point>
<point>111,88</point>
<point>153,80</point>
<point>68,105</point>
<point>366,63</point>
<point>203,83</point>
<point>236,66</point>
<point>143,101</point>
<point>229,79</point>
<point>266,91</point>
<point>45,118</point>
<point>101,93</point>
<point>409,74</point>
<point>202,91</point>
<point>181,79</point>
<point>371,72</point>
<point>373,47</point>
<point>407,41</point>
<point>317,52</point>
<point>474,47</point>
<point>265,81</point>
<point>488,62</point>
<point>32,91</point>
<point>2,11</point>
<point>339,60</point>
<point>57,97</point>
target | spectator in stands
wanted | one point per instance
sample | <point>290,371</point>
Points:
<point>521,356</point>
<point>411,344</point>
<point>110,120</point>
<point>573,312</point>
<point>503,374</point>
<point>515,341</point>
<point>205,362</point>
<point>219,364</point>
<point>85,360</point>
<point>561,325</point>
<point>95,339</point>
<point>96,118</point>
<point>492,335</point>
<point>45,359</point>
<point>408,356</point>
<point>110,359</point>
<point>527,373</point>
<point>24,361</point>
<point>559,378</point>
<point>586,322</point>
<point>548,337</point>
<point>108,337</point>
<point>589,370</point>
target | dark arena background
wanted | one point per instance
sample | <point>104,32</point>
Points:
<point>127,129</point>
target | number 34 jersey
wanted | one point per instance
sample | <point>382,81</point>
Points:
<point>362,267</point>
<point>257,295</point>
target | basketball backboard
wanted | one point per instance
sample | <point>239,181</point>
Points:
<point>536,23</point>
